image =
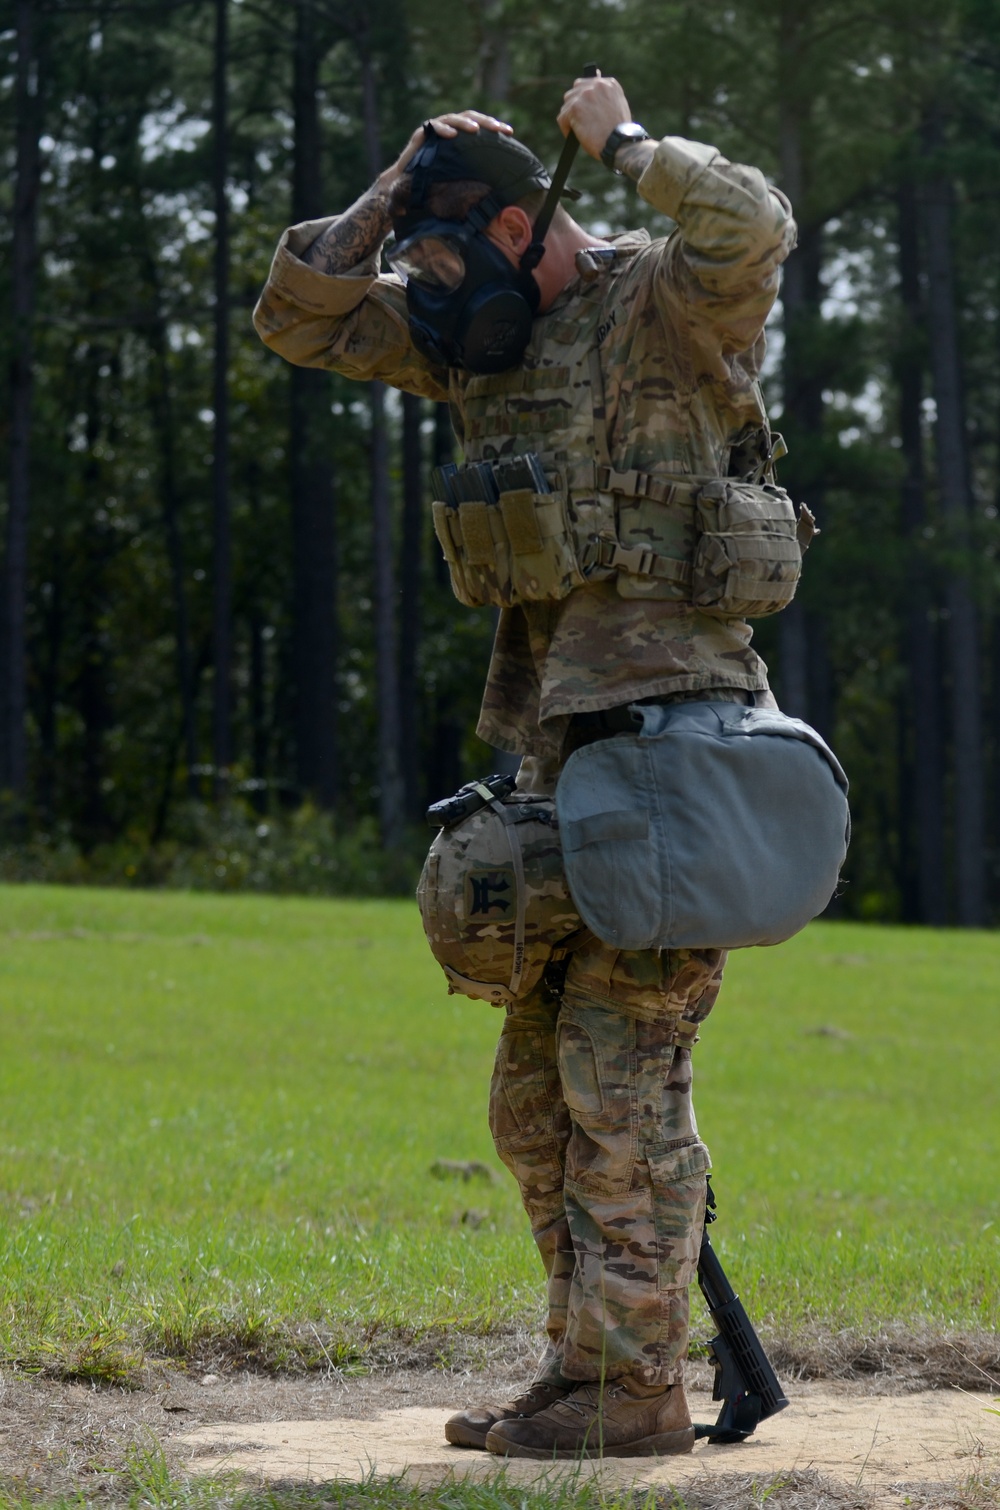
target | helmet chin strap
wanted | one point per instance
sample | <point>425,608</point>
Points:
<point>533,254</point>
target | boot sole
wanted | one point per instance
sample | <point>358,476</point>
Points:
<point>465,1436</point>
<point>662,1444</point>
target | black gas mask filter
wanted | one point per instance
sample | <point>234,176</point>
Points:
<point>469,306</point>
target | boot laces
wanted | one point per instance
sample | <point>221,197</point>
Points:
<point>531,1394</point>
<point>586,1400</point>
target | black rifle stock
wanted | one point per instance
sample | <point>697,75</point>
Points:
<point>744,1378</point>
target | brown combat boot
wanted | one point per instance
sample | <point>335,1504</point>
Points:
<point>469,1428</point>
<point>624,1420</point>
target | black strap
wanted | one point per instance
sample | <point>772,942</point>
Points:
<point>533,256</point>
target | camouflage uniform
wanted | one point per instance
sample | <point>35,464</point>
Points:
<point>590,1109</point>
<point>591,1100</point>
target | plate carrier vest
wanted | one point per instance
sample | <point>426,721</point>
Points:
<point>731,546</point>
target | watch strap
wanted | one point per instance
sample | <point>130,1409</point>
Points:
<point>628,131</point>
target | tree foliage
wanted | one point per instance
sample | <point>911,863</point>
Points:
<point>883,124</point>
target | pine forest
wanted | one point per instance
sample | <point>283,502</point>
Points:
<point>230,654</point>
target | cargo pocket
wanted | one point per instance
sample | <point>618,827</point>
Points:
<point>677,1175</point>
<point>520,1099</point>
<point>596,1048</point>
<point>543,563</point>
<point>578,1071</point>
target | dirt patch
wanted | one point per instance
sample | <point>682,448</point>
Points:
<point>874,1447</point>
<point>863,1443</point>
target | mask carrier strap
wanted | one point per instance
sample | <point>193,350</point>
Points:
<point>536,251</point>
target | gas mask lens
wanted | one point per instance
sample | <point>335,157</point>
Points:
<point>433,262</point>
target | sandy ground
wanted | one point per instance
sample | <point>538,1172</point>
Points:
<point>884,1444</point>
<point>868,1448</point>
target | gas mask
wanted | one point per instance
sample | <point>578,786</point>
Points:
<point>469,305</point>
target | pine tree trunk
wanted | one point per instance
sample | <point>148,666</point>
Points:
<point>161,404</point>
<point>47,672</point>
<point>258,711</point>
<point>390,783</point>
<point>222,570</point>
<point>410,577</point>
<point>93,685</point>
<point>993,782</point>
<point>962,629</point>
<point>259,730</point>
<point>175,555</point>
<point>802,417</point>
<point>493,64</point>
<point>806,677</point>
<point>922,807</point>
<point>314,523</point>
<point>13,750</point>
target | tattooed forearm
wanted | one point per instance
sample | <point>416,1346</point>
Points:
<point>355,235</point>
<point>633,158</point>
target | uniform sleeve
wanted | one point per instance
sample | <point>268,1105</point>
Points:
<point>352,323</point>
<point>735,231</point>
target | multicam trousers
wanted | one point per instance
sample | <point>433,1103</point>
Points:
<point>590,1109</point>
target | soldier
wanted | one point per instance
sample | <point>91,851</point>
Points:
<point>630,368</point>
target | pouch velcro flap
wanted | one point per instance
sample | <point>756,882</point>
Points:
<point>440,512</point>
<point>518,510</point>
<point>718,826</point>
<point>476,533</point>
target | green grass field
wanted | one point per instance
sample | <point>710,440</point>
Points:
<point>218,1118</point>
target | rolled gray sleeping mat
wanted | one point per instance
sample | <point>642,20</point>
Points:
<point>714,826</point>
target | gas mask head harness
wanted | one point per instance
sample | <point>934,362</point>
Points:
<point>468,304</point>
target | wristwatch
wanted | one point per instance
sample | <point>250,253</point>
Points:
<point>628,131</point>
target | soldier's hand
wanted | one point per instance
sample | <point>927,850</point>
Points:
<point>592,109</point>
<point>449,124</point>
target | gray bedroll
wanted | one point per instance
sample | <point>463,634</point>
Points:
<point>715,826</point>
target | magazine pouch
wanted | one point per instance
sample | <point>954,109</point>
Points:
<point>516,550</point>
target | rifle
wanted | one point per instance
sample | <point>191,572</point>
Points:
<point>744,1378</point>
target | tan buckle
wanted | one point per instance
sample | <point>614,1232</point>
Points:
<point>630,483</point>
<point>637,559</point>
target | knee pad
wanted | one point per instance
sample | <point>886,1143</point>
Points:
<point>494,899</point>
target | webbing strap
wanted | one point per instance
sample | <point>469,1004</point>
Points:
<point>517,860</point>
<point>479,990</point>
<point>686,1033</point>
<point>758,544</point>
<point>635,484</point>
<point>600,410</point>
<point>632,484</point>
<point>643,561</point>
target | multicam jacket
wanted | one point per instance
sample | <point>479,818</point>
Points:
<point>677,325</point>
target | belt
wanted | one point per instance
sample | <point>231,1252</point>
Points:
<point>585,728</point>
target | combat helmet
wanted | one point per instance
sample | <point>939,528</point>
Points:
<point>493,895</point>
